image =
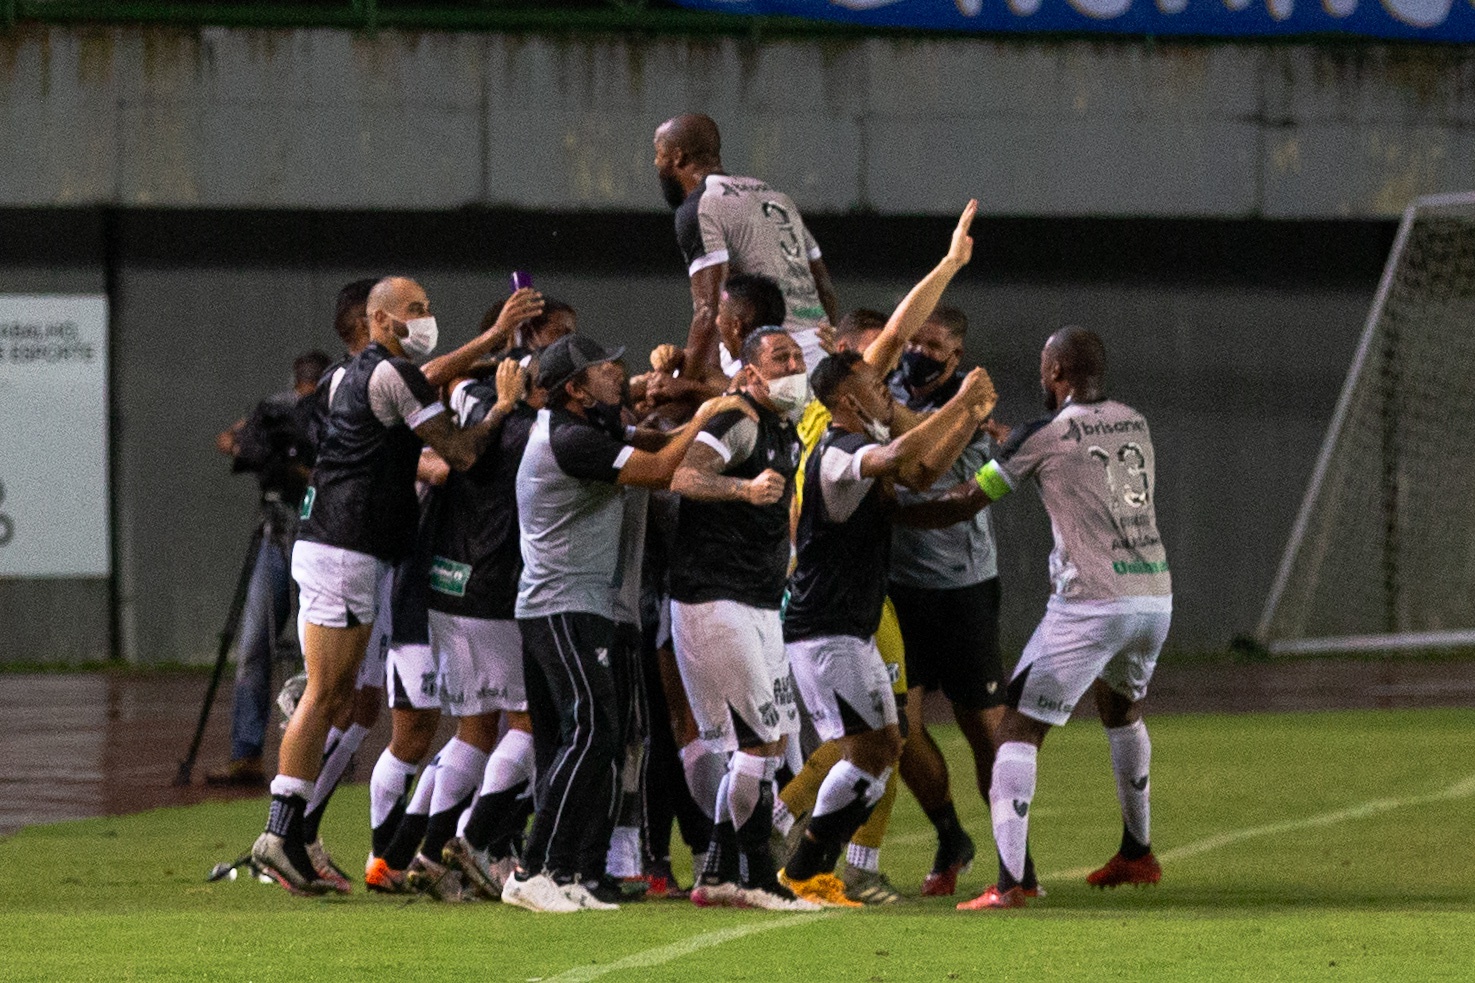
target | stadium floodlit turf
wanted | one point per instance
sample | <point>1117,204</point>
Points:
<point>1332,846</point>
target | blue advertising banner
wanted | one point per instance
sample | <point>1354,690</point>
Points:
<point>1415,20</point>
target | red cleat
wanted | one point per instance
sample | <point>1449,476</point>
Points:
<point>1119,870</point>
<point>951,860</point>
<point>1015,897</point>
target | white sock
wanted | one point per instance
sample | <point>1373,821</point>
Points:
<point>461,767</point>
<point>705,770</point>
<point>863,857</point>
<point>390,780</point>
<point>287,786</point>
<point>1009,797</point>
<point>424,790</point>
<point>1131,757</point>
<point>838,790</point>
<point>783,819</point>
<point>747,774</point>
<point>344,747</point>
<point>623,859</point>
<point>511,763</point>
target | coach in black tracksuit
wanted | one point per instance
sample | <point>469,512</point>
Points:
<point>570,510</point>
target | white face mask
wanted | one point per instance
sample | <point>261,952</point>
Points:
<point>788,393</point>
<point>422,337</point>
<point>877,431</point>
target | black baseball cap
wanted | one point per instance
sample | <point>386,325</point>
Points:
<point>568,356</point>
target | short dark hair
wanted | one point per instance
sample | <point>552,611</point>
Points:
<point>950,317</point>
<point>860,320</point>
<point>351,295</point>
<point>753,343</point>
<point>760,293</point>
<point>309,367</point>
<point>551,306</point>
<point>831,372</point>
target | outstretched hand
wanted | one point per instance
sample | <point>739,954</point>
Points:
<point>960,250</point>
<point>511,383</point>
<point>522,305</point>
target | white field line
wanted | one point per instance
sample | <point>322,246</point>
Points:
<point>685,947</point>
<point>676,950</point>
<point>1459,790</point>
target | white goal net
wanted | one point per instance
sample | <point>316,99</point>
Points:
<point>1382,554</point>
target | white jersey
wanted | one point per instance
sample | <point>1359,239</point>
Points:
<point>1096,469</point>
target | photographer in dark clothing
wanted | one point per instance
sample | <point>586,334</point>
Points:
<point>274,443</point>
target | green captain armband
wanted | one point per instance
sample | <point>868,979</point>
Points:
<point>992,481</point>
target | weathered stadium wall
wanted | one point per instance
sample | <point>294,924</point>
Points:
<point>1218,212</point>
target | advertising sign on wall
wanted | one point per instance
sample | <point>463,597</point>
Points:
<point>1413,20</point>
<point>53,436</point>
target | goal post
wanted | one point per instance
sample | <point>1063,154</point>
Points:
<point>1382,552</point>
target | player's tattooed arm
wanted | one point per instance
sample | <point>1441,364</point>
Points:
<point>700,477</point>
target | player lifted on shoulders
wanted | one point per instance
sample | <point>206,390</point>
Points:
<point>1108,612</point>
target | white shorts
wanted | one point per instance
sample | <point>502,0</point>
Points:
<point>412,677</point>
<point>845,684</point>
<point>371,670</point>
<point>480,664</point>
<point>1074,645</point>
<point>735,672</point>
<point>337,588</point>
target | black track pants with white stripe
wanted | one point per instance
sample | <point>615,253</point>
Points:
<point>577,720</point>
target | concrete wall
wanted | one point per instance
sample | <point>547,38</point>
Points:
<point>150,116</point>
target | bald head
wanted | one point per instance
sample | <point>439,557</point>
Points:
<point>1072,364</point>
<point>688,148</point>
<point>695,136</point>
<point>393,301</point>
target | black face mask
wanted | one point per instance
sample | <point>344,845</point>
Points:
<point>607,417</point>
<point>918,370</point>
<point>671,188</point>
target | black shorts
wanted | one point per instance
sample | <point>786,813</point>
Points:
<point>952,641</point>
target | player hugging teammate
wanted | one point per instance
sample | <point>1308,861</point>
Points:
<point>717,538</point>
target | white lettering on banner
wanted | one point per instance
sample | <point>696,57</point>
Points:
<point>54,436</point>
<point>1414,13</point>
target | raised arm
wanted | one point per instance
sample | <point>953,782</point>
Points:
<point>522,305</point>
<point>918,305</point>
<point>958,504</point>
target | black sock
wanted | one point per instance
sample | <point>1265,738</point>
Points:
<point>401,849</point>
<point>441,827</point>
<point>509,839</point>
<point>492,813</point>
<point>722,856</point>
<point>1131,848</point>
<point>383,834</point>
<point>1006,879</point>
<point>808,859</point>
<point>285,820</point>
<point>1031,879</point>
<point>752,838</point>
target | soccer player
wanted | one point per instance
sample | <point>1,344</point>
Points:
<point>1108,612</point>
<point>839,585</point>
<point>728,224</point>
<point>728,573</point>
<point>359,514</point>
<point>570,510</point>
<point>477,648</point>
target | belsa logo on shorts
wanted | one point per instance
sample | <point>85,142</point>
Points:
<point>1054,706</point>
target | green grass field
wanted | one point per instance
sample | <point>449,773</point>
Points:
<point>1332,846</point>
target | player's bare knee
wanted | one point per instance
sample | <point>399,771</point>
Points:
<point>1115,709</point>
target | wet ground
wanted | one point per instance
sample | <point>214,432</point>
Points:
<point>94,744</point>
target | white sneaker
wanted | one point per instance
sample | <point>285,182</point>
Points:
<point>580,896</point>
<point>537,893</point>
<point>775,898</point>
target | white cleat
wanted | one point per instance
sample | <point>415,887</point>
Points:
<point>537,893</point>
<point>581,896</point>
<point>775,897</point>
